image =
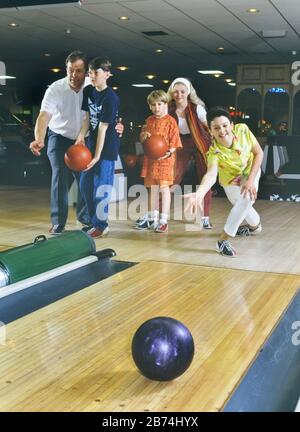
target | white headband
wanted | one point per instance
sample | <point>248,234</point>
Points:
<point>182,81</point>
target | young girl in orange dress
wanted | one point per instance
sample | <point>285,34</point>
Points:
<point>159,173</point>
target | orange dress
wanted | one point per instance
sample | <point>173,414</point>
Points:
<point>162,170</point>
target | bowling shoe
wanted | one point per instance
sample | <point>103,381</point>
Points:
<point>246,230</point>
<point>225,249</point>
<point>161,228</point>
<point>56,229</point>
<point>206,223</point>
<point>145,223</point>
<point>86,228</point>
<point>96,232</point>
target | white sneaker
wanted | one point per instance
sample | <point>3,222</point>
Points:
<point>275,197</point>
<point>294,198</point>
<point>206,223</point>
<point>144,224</point>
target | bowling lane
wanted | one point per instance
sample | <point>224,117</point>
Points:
<point>75,354</point>
<point>27,300</point>
<point>45,270</point>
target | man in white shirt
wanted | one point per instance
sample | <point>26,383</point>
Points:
<point>61,112</point>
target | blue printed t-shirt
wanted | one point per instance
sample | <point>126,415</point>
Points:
<point>102,106</point>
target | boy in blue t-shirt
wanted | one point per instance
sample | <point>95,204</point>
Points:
<point>101,105</point>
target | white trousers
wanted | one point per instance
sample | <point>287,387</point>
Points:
<point>242,208</point>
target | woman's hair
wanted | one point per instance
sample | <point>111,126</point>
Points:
<point>157,96</point>
<point>192,95</point>
<point>217,111</point>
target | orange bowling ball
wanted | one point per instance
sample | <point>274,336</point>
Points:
<point>155,146</point>
<point>77,157</point>
<point>130,160</point>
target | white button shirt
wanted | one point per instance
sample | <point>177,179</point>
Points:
<point>183,125</point>
<point>65,106</point>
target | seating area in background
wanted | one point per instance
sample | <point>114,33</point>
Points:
<point>281,169</point>
<point>285,154</point>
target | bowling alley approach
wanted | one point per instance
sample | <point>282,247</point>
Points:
<point>72,334</point>
<point>149,209</point>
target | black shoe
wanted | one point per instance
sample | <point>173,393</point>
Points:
<point>56,229</point>
<point>243,231</point>
<point>86,228</point>
<point>246,230</point>
<point>225,248</point>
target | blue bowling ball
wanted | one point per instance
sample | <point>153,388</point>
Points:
<point>162,348</point>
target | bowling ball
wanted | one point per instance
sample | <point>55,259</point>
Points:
<point>155,146</point>
<point>77,157</point>
<point>130,160</point>
<point>162,348</point>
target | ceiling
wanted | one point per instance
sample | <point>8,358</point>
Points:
<point>195,29</point>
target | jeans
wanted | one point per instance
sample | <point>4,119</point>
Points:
<point>96,185</point>
<point>57,146</point>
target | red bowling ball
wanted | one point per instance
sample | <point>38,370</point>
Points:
<point>77,157</point>
<point>155,146</point>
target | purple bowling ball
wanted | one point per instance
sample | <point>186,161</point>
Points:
<point>162,348</point>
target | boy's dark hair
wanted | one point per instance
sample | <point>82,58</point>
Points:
<point>217,111</point>
<point>100,62</point>
<point>77,55</point>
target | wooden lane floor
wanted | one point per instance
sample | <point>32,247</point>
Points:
<point>5,247</point>
<point>74,355</point>
<point>276,249</point>
<point>24,214</point>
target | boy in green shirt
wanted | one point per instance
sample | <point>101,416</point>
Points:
<point>236,157</point>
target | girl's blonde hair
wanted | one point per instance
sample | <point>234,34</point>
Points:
<point>157,96</point>
<point>192,96</point>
